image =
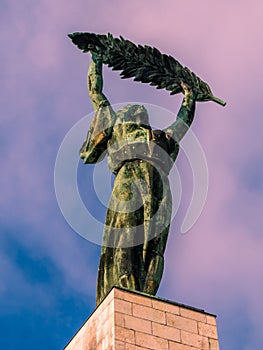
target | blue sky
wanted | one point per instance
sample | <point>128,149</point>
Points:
<point>48,272</point>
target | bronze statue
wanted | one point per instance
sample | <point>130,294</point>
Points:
<point>139,211</point>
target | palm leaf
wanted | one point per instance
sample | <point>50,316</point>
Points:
<point>144,63</point>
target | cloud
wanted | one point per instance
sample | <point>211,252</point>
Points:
<point>44,94</point>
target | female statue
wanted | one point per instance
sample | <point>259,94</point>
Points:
<point>139,211</point>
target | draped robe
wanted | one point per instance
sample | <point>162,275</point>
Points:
<point>139,211</point>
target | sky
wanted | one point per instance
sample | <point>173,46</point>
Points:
<point>48,271</point>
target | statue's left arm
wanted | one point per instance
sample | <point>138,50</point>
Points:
<point>185,116</point>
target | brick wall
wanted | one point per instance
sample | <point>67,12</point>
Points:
<point>128,320</point>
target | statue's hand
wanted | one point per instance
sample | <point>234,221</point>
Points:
<point>189,95</point>
<point>188,92</point>
<point>96,57</point>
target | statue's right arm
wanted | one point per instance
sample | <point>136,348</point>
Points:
<point>100,131</point>
<point>95,83</point>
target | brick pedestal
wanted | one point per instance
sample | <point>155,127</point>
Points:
<point>128,320</point>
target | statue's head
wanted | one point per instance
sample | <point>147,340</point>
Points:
<point>133,113</point>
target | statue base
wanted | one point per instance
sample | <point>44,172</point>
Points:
<point>129,320</point>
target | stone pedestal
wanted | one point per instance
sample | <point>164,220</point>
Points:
<point>128,320</point>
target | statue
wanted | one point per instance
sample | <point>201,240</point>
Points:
<point>139,211</point>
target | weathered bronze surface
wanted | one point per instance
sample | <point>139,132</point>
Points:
<point>139,211</point>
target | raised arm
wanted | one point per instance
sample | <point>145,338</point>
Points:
<point>95,83</point>
<point>185,116</point>
<point>95,145</point>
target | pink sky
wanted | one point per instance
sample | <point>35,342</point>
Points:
<point>218,264</point>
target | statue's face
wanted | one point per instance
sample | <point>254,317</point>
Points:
<point>135,113</point>
<point>141,116</point>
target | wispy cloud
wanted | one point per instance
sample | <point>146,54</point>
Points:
<point>44,93</point>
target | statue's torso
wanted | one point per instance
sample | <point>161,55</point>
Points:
<point>131,141</point>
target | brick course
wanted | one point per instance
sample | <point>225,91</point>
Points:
<point>128,320</point>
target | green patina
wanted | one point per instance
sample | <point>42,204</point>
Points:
<point>139,211</point>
